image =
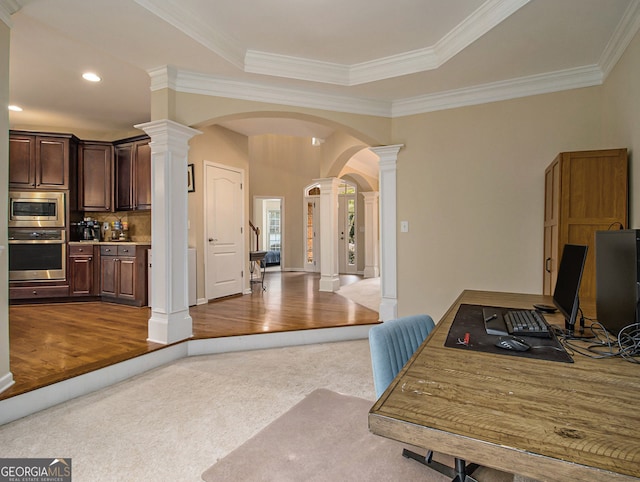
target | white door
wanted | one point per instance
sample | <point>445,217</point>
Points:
<point>223,231</point>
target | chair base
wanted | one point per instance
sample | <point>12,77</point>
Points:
<point>458,474</point>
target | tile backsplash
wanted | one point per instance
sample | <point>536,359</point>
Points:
<point>139,223</point>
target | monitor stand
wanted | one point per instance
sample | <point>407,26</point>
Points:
<point>569,331</point>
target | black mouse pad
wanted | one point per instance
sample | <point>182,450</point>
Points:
<point>468,321</point>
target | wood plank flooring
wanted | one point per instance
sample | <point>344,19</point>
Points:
<point>53,342</point>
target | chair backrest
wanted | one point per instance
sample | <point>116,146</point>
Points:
<point>392,343</point>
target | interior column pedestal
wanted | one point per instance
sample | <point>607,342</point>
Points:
<point>388,231</point>
<point>170,320</point>
<point>371,240</point>
<point>329,270</point>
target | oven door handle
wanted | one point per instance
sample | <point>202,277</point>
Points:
<point>36,241</point>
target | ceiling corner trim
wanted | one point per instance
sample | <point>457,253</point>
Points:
<point>587,76</point>
<point>621,38</point>
<point>174,13</point>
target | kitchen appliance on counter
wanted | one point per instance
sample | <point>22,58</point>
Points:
<point>86,230</point>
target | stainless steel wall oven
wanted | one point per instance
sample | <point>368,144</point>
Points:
<point>37,254</point>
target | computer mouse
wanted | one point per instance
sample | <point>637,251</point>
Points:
<point>510,342</point>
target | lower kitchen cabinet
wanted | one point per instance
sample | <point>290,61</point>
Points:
<point>123,273</point>
<point>82,272</point>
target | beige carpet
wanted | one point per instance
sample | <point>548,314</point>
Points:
<point>172,423</point>
<point>365,292</point>
<point>325,438</point>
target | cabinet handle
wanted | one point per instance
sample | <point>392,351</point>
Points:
<point>546,265</point>
<point>35,292</point>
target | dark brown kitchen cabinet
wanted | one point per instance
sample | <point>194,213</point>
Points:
<point>41,161</point>
<point>82,272</point>
<point>133,174</point>
<point>95,176</point>
<point>123,273</point>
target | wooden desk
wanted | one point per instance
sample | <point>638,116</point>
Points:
<point>547,420</point>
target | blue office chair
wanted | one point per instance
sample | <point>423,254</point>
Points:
<point>392,343</point>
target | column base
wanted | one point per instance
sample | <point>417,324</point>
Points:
<point>166,329</point>
<point>329,283</point>
<point>371,272</point>
<point>388,309</point>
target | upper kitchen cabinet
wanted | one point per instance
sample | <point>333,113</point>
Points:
<point>133,174</point>
<point>41,161</point>
<point>95,176</point>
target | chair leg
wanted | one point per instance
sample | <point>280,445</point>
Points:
<point>457,474</point>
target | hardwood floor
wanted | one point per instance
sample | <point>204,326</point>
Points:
<point>53,342</point>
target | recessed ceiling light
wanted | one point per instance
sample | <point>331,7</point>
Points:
<point>91,77</point>
<point>15,108</point>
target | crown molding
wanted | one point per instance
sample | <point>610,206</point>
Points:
<point>508,89</point>
<point>621,38</point>
<point>196,83</point>
<point>202,84</point>
<point>481,21</point>
<point>8,8</point>
<point>174,13</point>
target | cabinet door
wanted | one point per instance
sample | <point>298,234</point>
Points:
<point>127,278</point>
<point>124,176</point>
<point>108,275</point>
<point>551,220</point>
<point>52,163</point>
<point>142,187</point>
<point>95,177</point>
<point>81,275</point>
<point>22,161</point>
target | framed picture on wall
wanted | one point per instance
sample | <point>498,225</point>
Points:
<point>191,187</point>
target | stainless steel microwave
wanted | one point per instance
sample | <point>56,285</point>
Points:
<point>33,209</point>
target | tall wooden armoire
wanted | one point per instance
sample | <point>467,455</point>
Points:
<point>585,192</point>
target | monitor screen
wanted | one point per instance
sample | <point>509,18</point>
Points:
<point>565,294</point>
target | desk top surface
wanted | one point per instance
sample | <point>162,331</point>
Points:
<point>557,421</point>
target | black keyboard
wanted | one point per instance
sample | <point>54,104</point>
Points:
<point>526,323</point>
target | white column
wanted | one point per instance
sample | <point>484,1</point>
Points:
<point>170,320</point>
<point>371,234</point>
<point>6,377</point>
<point>329,277</point>
<point>388,229</point>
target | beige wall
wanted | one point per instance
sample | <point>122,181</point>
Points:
<point>220,146</point>
<point>621,118</point>
<point>196,110</point>
<point>471,184</point>
<point>282,166</point>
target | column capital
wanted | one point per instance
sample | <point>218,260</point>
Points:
<point>370,196</point>
<point>387,153</point>
<point>166,133</point>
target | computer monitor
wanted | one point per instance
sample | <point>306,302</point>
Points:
<point>565,294</point>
